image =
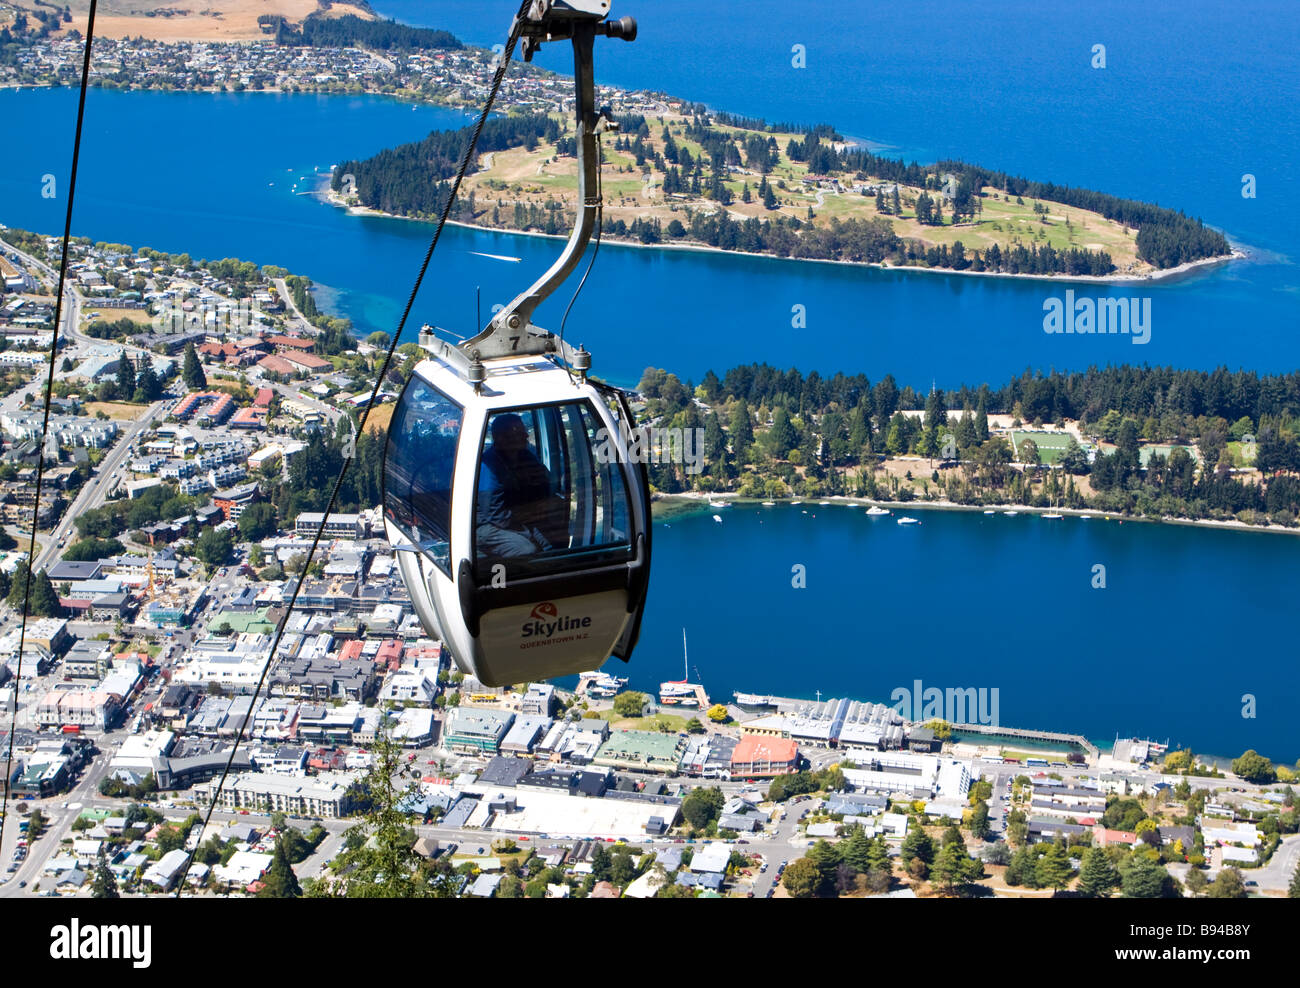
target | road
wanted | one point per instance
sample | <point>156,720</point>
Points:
<point>96,489</point>
<point>287,295</point>
<point>1276,875</point>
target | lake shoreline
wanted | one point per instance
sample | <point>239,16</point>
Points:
<point>691,502</point>
<point>331,198</point>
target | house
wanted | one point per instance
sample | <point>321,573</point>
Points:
<point>712,857</point>
<point>243,868</point>
<point>1223,832</point>
<point>1103,837</point>
<point>166,870</point>
<point>485,886</point>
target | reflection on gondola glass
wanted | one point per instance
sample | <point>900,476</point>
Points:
<point>545,501</point>
<point>420,458</point>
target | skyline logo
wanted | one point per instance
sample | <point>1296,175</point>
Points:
<point>545,623</point>
<point>1098,316</point>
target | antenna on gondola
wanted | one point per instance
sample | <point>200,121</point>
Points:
<point>522,523</point>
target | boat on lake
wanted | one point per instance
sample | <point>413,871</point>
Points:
<point>679,692</point>
<point>876,510</point>
<point>602,684</point>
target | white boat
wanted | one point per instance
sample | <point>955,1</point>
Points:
<point>989,511</point>
<point>680,693</point>
<point>823,502</point>
<point>876,510</point>
<point>1053,516</point>
<point>1011,514</point>
<point>796,502</point>
<point>769,504</point>
<point>718,519</point>
<point>602,684</point>
<point>908,521</point>
<point>719,504</point>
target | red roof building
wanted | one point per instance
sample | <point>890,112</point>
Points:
<point>248,418</point>
<point>1101,836</point>
<point>263,398</point>
<point>390,655</point>
<point>291,342</point>
<point>308,361</point>
<point>766,756</point>
<point>277,365</point>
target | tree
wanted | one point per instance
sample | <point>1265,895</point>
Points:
<point>380,861</point>
<point>856,850</point>
<point>601,864</point>
<point>782,436</point>
<point>629,704</point>
<point>1254,767</point>
<point>36,824</point>
<point>1053,869</point>
<point>257,522</point>
<point>826,858</point>
<point>718,714</point>
<point>1229,885</point>
<point>802,879</point>
<point>1022,869</point>
<point>917,844</point>
<point>192,371</point>
<point>214,547</point>
<point>279,881</point>
<point>702,806</point>
<point>43,602</point>
<point>1123,814</point>
<point>125,378</point>
<point>1293,890</point>
<point>1098,877</point>
<point>104,885</point>
<point>147,386</point>
<point>1144,878</point>
<point>979,821</point>
<point>950,869</point>
<point>1197,883</point>
<point>742,430</point>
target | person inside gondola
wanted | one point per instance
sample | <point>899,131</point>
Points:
<point>516,505</point>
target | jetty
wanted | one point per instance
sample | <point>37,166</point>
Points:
<point>1030,735</point>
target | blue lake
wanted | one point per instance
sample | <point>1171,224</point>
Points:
<point>1193,96</point>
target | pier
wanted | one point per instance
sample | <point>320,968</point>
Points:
<point>701,698</point>
<point>1030,735</point>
